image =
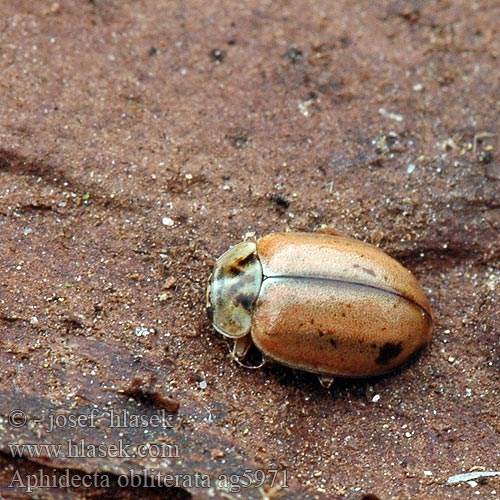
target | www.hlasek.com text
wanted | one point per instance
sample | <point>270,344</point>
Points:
<point>82,449</point>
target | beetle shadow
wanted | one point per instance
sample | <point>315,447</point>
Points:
<point>356,388</point>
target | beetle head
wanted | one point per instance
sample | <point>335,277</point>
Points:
<point>233,289</point>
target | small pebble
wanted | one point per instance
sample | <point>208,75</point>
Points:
<point>217,55</point>
<point>393,116</point>
<point>217,453</point>
<point>142,331</point>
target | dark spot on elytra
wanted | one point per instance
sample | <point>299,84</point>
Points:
<point>369,271</point>
<point>239,265</point>
<point>245,300</point>
<point>373,346</point>
<point>388,352</point>
<point>365,269</point>
<point>333,343</point>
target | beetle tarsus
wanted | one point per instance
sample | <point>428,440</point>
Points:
<point>326,381</point>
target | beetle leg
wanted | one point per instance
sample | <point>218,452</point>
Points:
<point>326,380</point>
<point>240,350</point>
<point>241,347</point>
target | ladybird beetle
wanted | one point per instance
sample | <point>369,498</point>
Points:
<point>323,303</point>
